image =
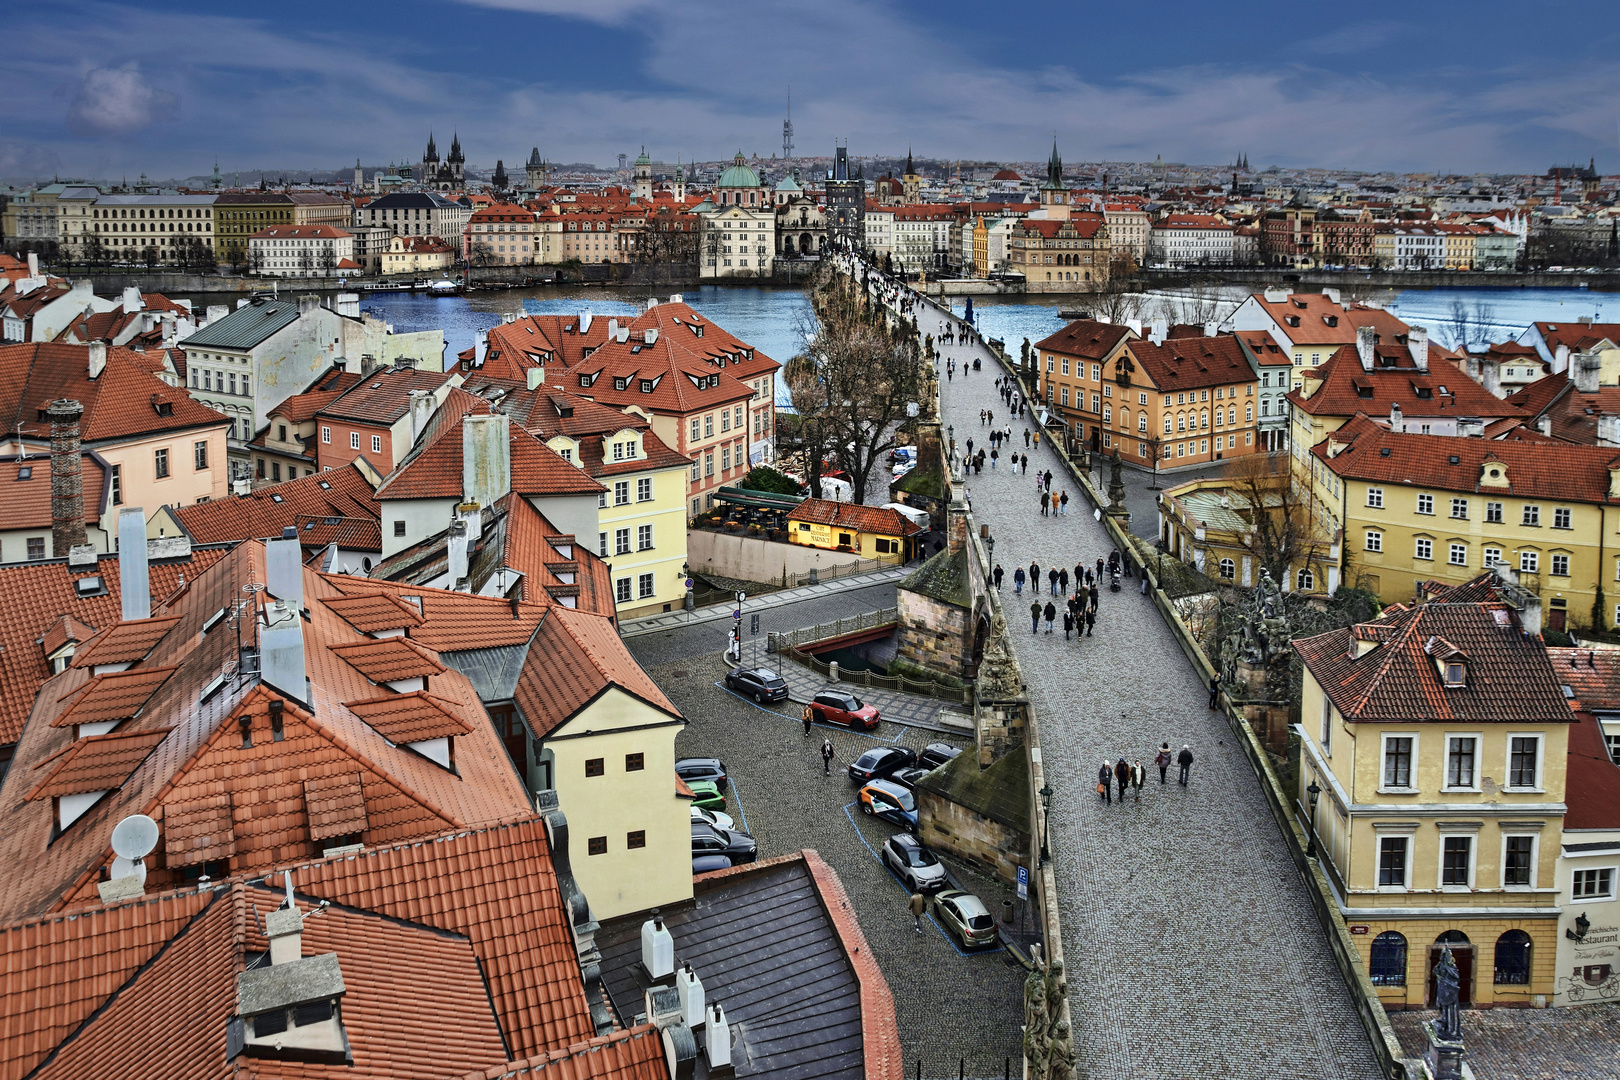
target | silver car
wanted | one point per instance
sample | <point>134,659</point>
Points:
<point>966,918</point>
<point>913,864</point>
<point>713,817</point>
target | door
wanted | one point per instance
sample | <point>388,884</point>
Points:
<point>1462,954</point>
<point>1556,616</point>
<point>512,734</point>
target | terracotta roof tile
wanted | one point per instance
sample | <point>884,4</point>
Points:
<point>302,407</point>
<point>408,718</point>
<point>199,830</point>
<point>96,763</point>
<point>337,805</point>
<point>1182,363</point>
<point>575,656</point>
<point>65,631</point>
<point>1347,388</point>
<point>453,620</point>
<point>26,480</point>
<point>1087,338</point>
<point>434,470</point>
<point>389,660</point>
<point>383,396</point>
<point>1591,779</point>
<point>343,493</point>
<point>842,515</point>
<point>120,403</point>
<point>375,611</point>
<point>1593,676</point>
<point>113,696</point>
<point>1572,333</point>
<point>125,642</point>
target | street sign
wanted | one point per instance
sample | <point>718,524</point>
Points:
<point>753,623</point>
<point>741,596</point>
<point>1359,929</point>
<point>736,614</point>
<point>689,583</point>
<point>1023,883</point>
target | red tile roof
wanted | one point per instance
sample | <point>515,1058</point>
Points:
<point>878,520</point>
<point>112,696</point>
<point>434,468</point>
<point>336,805</point>
<point>1187,363</point>
<point>1591,780</point>
<point>1593,676</point>
<point>376,611</point>
<point>1314,312</point>
<point>408,718</point>
<point>1086,338</point>
<point>390,659</point>
<point>95,763</point>
<point>382,397</point>
<point>307,504</point>
<point>122,402</point>
<point>300,232</point>
<point>199,830</point>
<point>1574,333</point>
<point>1346,388</point>
<point>124,642</point>
<point>636,1054</point>
<point>574,658</point>
<point>301,407</point>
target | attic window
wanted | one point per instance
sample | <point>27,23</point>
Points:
<point>619,383</point>
<point>1383,451</point>
<point>635,348</point>
<point>714,380</point>
<point>309,527</point>
<point>1453,459</point>
<point>324,485</point>
<point>276,498</point>
<point>647,386</point>
<point>25,473</point>
<point>164,408</point>
<point>1456,674</point>
<point>89,586</point>
<point>213,620</point>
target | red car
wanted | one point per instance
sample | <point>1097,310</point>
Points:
<point>845,710</point>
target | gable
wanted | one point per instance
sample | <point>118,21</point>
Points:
<point>615,710</point>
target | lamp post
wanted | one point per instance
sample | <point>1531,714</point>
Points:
<point>950,433</point>
<point>1046,816</point>
<point>1313,793</point>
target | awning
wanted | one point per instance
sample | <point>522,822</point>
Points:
<point>759,500</point>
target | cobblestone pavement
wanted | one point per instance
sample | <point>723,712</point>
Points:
<point>1529,1044</point>
<point>955,1011</point>
<point>1191,945</point>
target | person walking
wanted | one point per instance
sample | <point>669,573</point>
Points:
<point>1063,501</point>
<point>1162,759</point>
<point>1034,577</point>
<point>1214,690</point>
<point>1049,484</point>
<point>827,753</point>
<point>1144,581</point>
<point>1185,760</point>
<point>1122,776</point>
<point>1068,623</point>
<point>1051,615</point>
<point>1018,582</point>
<point>1092,595</point>
<point>1037,440</point>
<point>1063,582</point>
<point>994,454</point>
<point>1138,777</point>
<point>1026,438</point>
<point>1035,617</point>
<point>1080,577</point>
<point>918,905</point>
<point>996,573</point>
<point>1099,567</point>
<point>1091,620</point>
<point>1025,459</point>
<point>1105,787</point>
<point>1042,497</point>
<point>1052,580</point>
<point>806,717</point>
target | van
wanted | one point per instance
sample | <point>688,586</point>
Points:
<point>917,517</point>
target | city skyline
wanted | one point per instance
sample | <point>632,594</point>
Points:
<point>102,89</point>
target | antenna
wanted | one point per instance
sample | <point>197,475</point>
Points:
<point>132,840</point>
<point>286,877</point>
<point>787,127</point>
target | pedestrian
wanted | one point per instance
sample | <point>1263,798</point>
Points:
<point>1063,582</point>
<point>996,573</point>
<point>1018,582</point>
<point>1185,760</point>
<point>1041,495</point>
<point>1068,623</point>
<point>1144,582</point>
<point>1048,479</point>
<point>827,753</point>
<point>1025,459</point>
<point>1162,759</point>
<point>1063,501</point>
<point>1138,777</point>
<point>1035,617</point>
<point>993,456</point>
<point>970,447</point>
<point>1104,787</point>
<point>806,717</point>
<point>918,905</point>
<point>1214,690</point>
<point>990,417</point>
<point>1037,439</point>
<point>1051,614</point>
<point>1054,500</point>
<point>1099,567</point>
<point>1034,577</point>
<point>1122,777</point>
<point>1092,595</point>
<point>1026,438</point>
<point>1091,620</point>
<point>1052,580</point>
<point>1081,574</point>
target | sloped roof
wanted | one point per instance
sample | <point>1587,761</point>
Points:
<point>383,396</point>
<point>1347,388</point>
<point>95,763</point>
<point>433,470</point>
<point>113,696</point>
<point>246,327</point>
<point>576,656</point>
<point>301,407</point>
<point>1323,322</point>
<point>633,1054</point>
<point>866,519</point>
<point>1591,779</point>
<point>1085,337</point>
<point>408,718</point>
<point>122,402</point>
<point>344,493</point>
<point>1573,333</point>
<point>26,481</point>
<point>1183,363</point>
<point>1593,676</point>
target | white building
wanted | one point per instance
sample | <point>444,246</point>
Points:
<point>1419,247</point>
<point>302,251</point>
<point>1190,240</point>
<point>172,227</point>
<point>879,223</point>
<point>1128,227</point>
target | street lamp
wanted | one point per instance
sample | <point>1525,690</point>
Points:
<point>1046,815</point>
<point>950,433</point>
<point>1313,793</point>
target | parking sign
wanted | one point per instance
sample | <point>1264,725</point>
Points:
<point>1023,883</point>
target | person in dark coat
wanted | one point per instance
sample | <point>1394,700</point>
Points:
<point>1051,615</point>
<point>1099,567</point>
<point>1052,580</point>
<point>1068,624</point>
<point>826,757</point>
<point>1091,620</point>
<point>1185,760</point>
<point>1105,787</point>
<point>1162,759</point>
<point>1092,595</point>
<point>1026,438</point>
<point>1063,504</point>
<point>1079,576</point>
<point>1214,690</point>
<point>1034,577</point>
<point>1063,581</point>
<point>1035,617</point>
<point>996,573</point>
<point>1042,497</point>
<point>1122,776</point>
<point>1018,581</point>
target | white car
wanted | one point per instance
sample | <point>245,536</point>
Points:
<point>713,818</point>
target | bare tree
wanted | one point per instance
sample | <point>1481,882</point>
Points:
<point>1281,528</point>
<point>306,260</point>
<point>1484,317</point>
<point>1114,301</point>
<point>1460,319</point>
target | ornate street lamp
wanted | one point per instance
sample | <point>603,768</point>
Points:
<point>1046,816</point>
<point>1314,792</point>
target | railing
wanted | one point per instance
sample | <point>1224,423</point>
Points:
<point>809,635</point>
<point>962,695</point>
<point>792,580</point>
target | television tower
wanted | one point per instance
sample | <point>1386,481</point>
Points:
<point>787,127</point>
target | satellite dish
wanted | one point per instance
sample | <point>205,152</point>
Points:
<point>126,868</point>
<point>135,837</point>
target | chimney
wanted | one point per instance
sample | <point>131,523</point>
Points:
<point>1211,329</point>
<point>486,458</point>
<point>1332,295</point>
<point>657,949</point>
<point>509,317</point>
<point>717,1040</point>
<point>584,321</point>
<point>348,303</point>
<point>33,264</point>
<point>98,358</point>
<point>308,303</point>
<point>1490,377</point>
<point>67,490</point>
<point>284,927</point>
<point>613,329</point>
<point>1276,296</point>
<point>132,299</point>
<point>1159,330</point>
<point>652,302</point>
<point>690,989</point>
<point>1366,339</point>
<point>480,346</point>
<point>663,1005</point>
<point>1560,359</point>
<point>676,298</point>
<point>1395,417</point>
<point>421,413</point>
<point>281,643</point>
<point>457,562</point>
<point>1544,425</point>
<point>1585,372</point>
<point>534,377</point>
<point>217,312</point>
<point>1417,343</point>
<point>134,586</point>
<point>651,335</point>
<point>1135,326</point>
<point>1608,429</point>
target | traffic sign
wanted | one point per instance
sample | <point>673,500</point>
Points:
<point>1023,883</point>
<point>736,614</point>
<point>753,623</point>
<point>689,583</point>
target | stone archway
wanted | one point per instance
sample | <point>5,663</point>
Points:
<point>805,244</point>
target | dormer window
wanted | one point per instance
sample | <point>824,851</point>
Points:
<point>647,386</point>
<point>1456,674</point>
<point>619,382</point>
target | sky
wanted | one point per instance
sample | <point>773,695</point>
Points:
<point>166,87</point>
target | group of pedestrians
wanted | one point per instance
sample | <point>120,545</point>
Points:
<point>1124,775</point>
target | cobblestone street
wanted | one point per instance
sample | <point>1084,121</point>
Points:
<point>1191,945</point>
<point>1529,1044</point>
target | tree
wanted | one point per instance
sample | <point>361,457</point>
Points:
<point>255,259</point>
<point>328,259</point>
<point>1155,445</point>
<point>1114,301</point>
<point>306,260</point>
<point>854,382</point>
<point>1282,531</point>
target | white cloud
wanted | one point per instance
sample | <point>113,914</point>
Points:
<point>118,101</point>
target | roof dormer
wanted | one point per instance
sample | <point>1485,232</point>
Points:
<point>1450,661</point>
<point>1493,473</point>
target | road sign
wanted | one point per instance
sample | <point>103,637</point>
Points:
<point>1023,883</point>
<point>741,596</point>
<point>689,583</point>
<point>753,623</point>
<point>736,614</point>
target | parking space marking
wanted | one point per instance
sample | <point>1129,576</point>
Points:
<point>737,798</point>
<point>930,912</point>
<point>895,738</point>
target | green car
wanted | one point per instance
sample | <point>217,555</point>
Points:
<point>708,795</point>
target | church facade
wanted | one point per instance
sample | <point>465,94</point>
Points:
<point>447,175</point>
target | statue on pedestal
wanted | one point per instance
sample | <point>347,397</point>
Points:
<point>1116,485</point>
<point>1448,1025</point>
<point>998,671</point>
<point>1061,1062</point>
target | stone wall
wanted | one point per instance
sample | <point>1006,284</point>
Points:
<point>975,839</point>
<point>933,634</point>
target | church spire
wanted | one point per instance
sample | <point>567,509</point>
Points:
<point>910,169</point>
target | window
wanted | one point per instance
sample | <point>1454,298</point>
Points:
<point>1375,540</point>
<point>621,492</point>
<point>1593,884</point>
<point>1518,856</point>
<point>1459,554</point>
<point>117,472</point>
<point>1561,518</point>
<point>1524,761</point>
<point>695,435</point>
<point>199,455</point>
<point>1492,555</point>
<point>636,838</point>
<point>1398,761</point>
<point>1425,504</point>
<point>36,548</point>
<point>621,541</point>
<point>708,464</point>
<point>1228,569</point>
<point>596,845</point>
<point>708,425</point>
<point>644,489</point>
<point>635,762</point>
<point>1141,398</point>
<point>644,586</point>
<point>601,544</point>
<point>1305,580</point>
<point>1386,964</point>
<point>1459,509</point>
<point>1375,497</point>
<point>1493,512</point>
<point>1560,566</point>
<point>621,590</point>
<point>1392,861</point>
<point>399,528</point>
<point>1529,562</point>
<point>376,444</point>
<point>643,537</point>
<point>1513,959</point>
<point>1532,515</point>
<point>354,440</point>
<point>1456,860</point>
<point>1424,548</point>
<point>1460,761</point>
<point>595,767</point>
<point>326,434</point>
<point>160,463</point>
<point>1613,743</point>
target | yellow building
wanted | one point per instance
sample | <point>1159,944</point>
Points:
<point>1436,741</point>
<point>1209,523</point>
<point>1422,508</point>
<point>417,255</point>
<point>872,532</point>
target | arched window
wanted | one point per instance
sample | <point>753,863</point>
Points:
<point>1306,580</point>
<point>1228,569</point>
<point>1513,959</point>
<point>1386,965</point>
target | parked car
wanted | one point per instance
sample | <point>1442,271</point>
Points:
<point>891,802</point>
<point>761,684</point>
<point>908,777</point>
<point>845,710</point>
<point>918,868</point>
<point>705,864</point>
<point>708,795</point>
<point>712,817</point>
<point>965,917</point>
<point>880,762</point>
<point>936,754</point>
<point>736,846</point>
<point>702,768</point>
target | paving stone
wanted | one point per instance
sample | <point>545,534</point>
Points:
<point>1575,1043</point>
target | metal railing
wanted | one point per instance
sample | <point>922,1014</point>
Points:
<point>792,580</point>
<point>809,635</point>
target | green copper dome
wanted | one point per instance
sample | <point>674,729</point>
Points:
<point>739,175</point>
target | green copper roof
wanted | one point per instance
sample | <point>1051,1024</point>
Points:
<point>739,175</point>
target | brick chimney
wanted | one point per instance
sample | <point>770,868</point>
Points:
<point>1417,343</point>
<point>67,487</point>
<point>1366,340</point>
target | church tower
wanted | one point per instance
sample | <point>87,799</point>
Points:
<point>910,182</point>
<point>430,162</point>
<point>536,170</point>
<point>680,183</point>
<point>643,191</point>
<point>457,162</point>
<point>359,176</point>
<point>1054,196</point>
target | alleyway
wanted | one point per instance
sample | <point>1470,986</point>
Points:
<point>1191,946</point>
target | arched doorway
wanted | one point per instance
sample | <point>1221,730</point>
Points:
<point>1462,952</point>
<point>981,633</point>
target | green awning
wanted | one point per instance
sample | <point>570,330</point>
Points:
<point>759,500</point>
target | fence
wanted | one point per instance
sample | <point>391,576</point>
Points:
<point>808,635</point>
<point>832,573</point>
<point>790,644</point>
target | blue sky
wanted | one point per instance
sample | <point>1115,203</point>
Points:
<point>104,89</point>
